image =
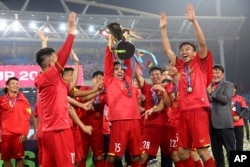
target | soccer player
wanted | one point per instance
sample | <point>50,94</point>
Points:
<point>155,123</point>
<point>172,114</point>
<point>52,92</point>
<point>195,68</point>
<point>15,114</point>
<point>124,110</point>
<point>94,118</point>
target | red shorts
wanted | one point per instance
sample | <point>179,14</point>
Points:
<point>58,148</point>
<point>95,142</point>
<point>155,137</point>
<point>11,147</point>
<point>40,152</point>
<point>78,144</point>
<point>125,134</point>
<point>194,128</point>
<point>172,138</point>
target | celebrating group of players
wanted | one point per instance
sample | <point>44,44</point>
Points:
<point>172,115</point>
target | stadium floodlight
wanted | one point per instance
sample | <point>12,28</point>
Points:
<point>3,25</point>
<point>46,29</point>
<point>33,25</point>
<point>16,26</point>
<point>91,28</point>
<point>63,27</point>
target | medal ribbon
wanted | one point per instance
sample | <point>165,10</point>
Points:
<point>10,102</point>
<point>128,88</point>
<point>155,97</point>
<point>188,76</point>
<point>175,91</point>
<point>96,103</point>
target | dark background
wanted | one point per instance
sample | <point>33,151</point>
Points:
<point>237,56</point>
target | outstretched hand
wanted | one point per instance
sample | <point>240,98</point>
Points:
<point>74,56</point>
<point>72,25</point>
<point>163,20</point>
<point>148,112</point>
<point>42,36</point>
<point>190,13</point>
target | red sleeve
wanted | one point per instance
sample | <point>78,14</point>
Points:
<point>64,52</point>
<point>242,102</point>
<point>128,71</point>
<point>179,64</point>
<point>207,65</point>
<point>108,65</point>
<point>35,113</point>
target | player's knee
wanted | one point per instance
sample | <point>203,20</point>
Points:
<point>204,153</point>
<point>183,153</point>
<point>175,156</point>
<point>111,159</point>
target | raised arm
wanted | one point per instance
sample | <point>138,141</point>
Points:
<point>202,46</point>
<point>64,52</point>
<point>165,40</point>
<point>44,39</point>
<point>76,70</point>
<point>139,78</point>
<point>108,64</point>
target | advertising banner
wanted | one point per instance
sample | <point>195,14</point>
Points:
<point>27,74</point>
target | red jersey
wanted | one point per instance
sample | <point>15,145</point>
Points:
<point>123,105</point>
<point>37,113</point>
<point>106,123</point>
<point>95,117</point>
<point>173,112</point>
<point>196,74</point>
<point>53,91</point>
<point>15,114</point>
<point>156,118</point>
<point>79,111</point>
<point>238,102</point>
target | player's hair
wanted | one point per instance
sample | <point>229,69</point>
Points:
<point>8,82</point>
<point>96,73</point>
<point>155,69</point>
<point>218,67</point>
<point>187,43</point>
<point>43,54</point>
<point>67,69</point>
<point>116,63</point>
<point>235,86</point>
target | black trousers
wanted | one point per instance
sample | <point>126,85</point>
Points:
<point>220,138</point>
<point>239,137</point>
<point>246,128</point>
<point>166,161</point>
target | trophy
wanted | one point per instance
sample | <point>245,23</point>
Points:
<point>118,44</point>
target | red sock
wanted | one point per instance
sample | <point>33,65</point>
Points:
<point>145,163</point>
<point>178,164</point>
<point>209,163</point>
<point>135,164</point>
<point>82,163</point>
<point>99,163</point>
<point>189,162</point>
<point>108,164</point>
<point>198,163</point>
